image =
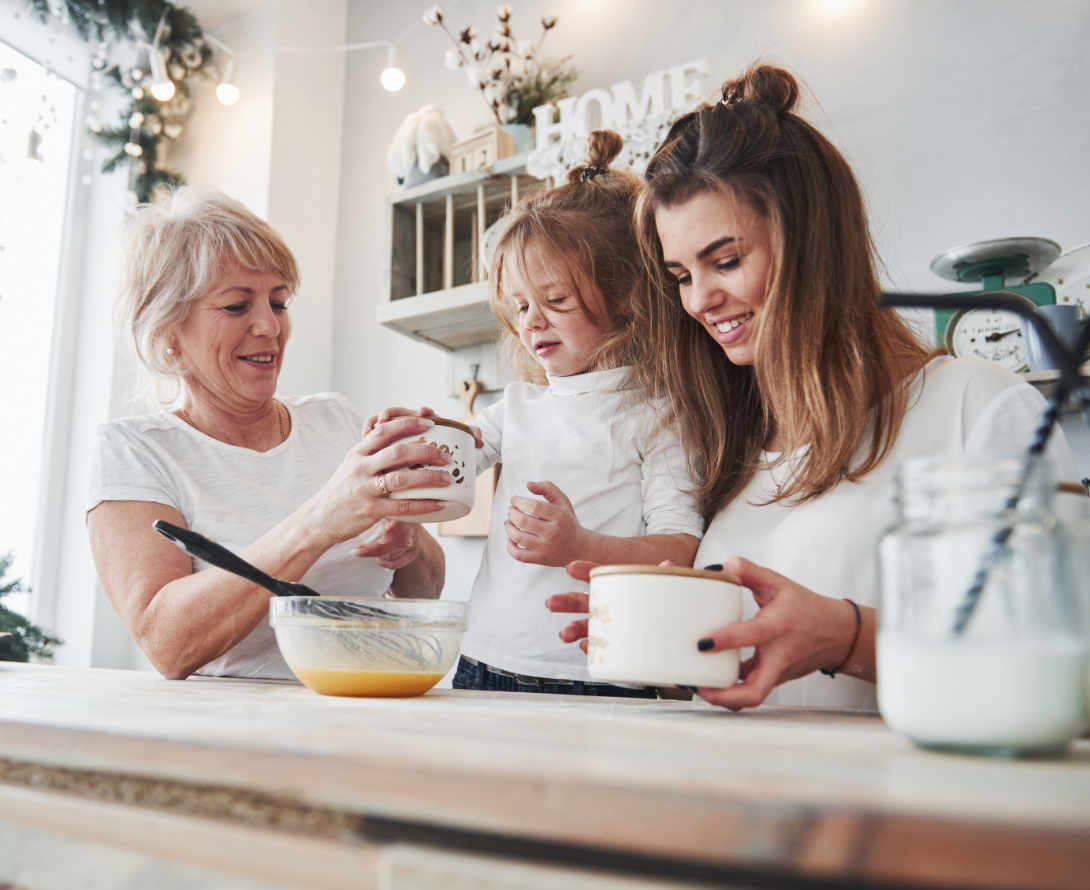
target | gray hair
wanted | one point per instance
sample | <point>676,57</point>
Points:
<point>176,251</point>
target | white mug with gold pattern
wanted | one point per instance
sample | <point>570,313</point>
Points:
<point>457,442</point>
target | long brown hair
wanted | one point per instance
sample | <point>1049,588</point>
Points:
<point>585,228</point>
<point>829,361</point>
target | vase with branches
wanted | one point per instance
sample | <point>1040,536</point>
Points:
<point>510,74</point>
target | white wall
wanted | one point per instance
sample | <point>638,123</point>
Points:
<point>278,150</point>
<point>230,148</point>
<point>964,121</point>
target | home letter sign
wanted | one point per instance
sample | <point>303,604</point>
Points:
<point>620,106</point>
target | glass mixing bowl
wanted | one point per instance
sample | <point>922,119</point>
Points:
<point>366,646</point>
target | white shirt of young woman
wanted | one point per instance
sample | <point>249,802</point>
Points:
<point>625,475</point>
<point>830,544</point>
<point>235,495</point>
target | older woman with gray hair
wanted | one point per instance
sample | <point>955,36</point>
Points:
<point>297,486</point>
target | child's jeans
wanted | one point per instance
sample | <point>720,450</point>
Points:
<point>472,674</point>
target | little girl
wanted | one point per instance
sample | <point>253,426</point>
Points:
<point>590,470</point>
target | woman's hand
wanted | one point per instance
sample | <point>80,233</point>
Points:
<point>389,458</point>
<point>543,532</point>
<point>393,544</point>
<point>795,633</point>
<point>573,602</point>
<point>390,413</point>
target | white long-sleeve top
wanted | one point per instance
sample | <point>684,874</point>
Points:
<point>625,474</point>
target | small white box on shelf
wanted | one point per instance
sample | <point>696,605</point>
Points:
<point>482,149</point>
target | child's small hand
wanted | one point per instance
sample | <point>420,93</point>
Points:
<point>390,413</point>
<point>393,544</point>
<point>544,532</point>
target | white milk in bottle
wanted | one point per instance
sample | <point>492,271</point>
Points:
<point>1004,671</point>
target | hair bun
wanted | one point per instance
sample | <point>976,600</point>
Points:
<point>763,85</point>
<point>602,147</point>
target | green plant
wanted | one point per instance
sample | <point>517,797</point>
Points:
<point>545,83</point>
<point>23,637</point>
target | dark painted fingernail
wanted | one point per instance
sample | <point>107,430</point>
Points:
<point>714,567</point>
<point>705,644</point>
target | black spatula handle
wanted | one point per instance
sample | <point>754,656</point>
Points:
<point>214,554</point>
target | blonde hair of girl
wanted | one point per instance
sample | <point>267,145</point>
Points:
<point>830,363</point>
<point>585,229</point>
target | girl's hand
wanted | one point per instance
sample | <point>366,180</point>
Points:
<point>543,532</point>
<point>388,459</point>
<point>390,413</point>
<point>795,633</point>
<point>393,544</point>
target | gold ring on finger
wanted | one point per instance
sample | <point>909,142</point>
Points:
<point>380,484</point>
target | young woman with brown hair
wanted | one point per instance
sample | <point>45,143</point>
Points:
<point>797,396</point>
<point>588,470</point>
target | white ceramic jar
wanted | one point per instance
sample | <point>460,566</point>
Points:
<point>645,622</point>
<point>456,440</point>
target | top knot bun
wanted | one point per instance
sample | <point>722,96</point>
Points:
<point>763,85</point>
<point>602,147</point>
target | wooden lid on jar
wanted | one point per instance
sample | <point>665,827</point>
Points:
<point>676,571</point>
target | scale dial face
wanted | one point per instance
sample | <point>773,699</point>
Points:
<point>990,334</point>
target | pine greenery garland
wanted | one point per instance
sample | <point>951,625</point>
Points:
<point>24,638</point>
<point>185,53</point>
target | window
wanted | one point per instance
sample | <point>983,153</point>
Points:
<point>37,110</point>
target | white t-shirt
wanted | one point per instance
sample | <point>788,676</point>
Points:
<point>623,472</point>
<point>234,495</point>
<point>830,544</point>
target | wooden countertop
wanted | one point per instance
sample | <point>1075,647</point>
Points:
<point>798,793</point>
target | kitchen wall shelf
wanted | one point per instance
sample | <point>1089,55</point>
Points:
<point>449,319</point>
<point>437,289</point>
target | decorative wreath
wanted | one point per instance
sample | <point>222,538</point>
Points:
<point>144,120</point>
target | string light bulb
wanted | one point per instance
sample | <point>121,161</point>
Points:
<point>227,92</point>
<point>162,87</point>
<point>163,90</point>
<point>392,77</point>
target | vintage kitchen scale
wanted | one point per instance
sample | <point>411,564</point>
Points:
<point>991,333</point>
<point>974,322</point>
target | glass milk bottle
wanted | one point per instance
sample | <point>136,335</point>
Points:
<point>1012,680</point>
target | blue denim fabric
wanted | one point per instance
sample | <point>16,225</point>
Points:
<point>478,675</point>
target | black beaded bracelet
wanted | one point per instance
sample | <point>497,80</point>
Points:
<point>832,672</point>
